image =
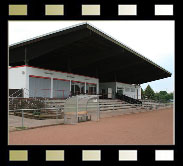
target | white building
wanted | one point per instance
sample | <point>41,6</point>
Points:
<point>111,88</point>
<point>44,66</point>
<point>38,82</point>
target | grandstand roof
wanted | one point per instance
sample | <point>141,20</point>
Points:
<point>83,49</point>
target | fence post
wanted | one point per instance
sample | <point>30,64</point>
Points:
<point>57,115</point>
<point>77,108</point>
<point>98,108</point>
<point>22,118</point>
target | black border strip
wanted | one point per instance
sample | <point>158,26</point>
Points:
<point>146,153</point>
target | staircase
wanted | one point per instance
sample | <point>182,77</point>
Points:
<point>105,104</point>
<point>58,103</point>
<point>128,99</point>
<point>114,104</point>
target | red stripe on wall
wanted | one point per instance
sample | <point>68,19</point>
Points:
<point>73,81</point>
<point>60,79</point>
<point>39,77</point>
<point>59,90</point>
<point>78,81</point>
<point>91,83</point>
<point>51,70</point>
<point>17,66</point>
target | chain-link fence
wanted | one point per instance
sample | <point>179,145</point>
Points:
<point>34,112</point>
<point>27,113</point>
<point>37,112</point>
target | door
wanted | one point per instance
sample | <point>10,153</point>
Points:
<point>39,86</point>
<point>61,88</point>
<point>72,89</point>
<point>91,89</point>
<point>120,91</point>
<point>77,88</point>
<point>109,90</point>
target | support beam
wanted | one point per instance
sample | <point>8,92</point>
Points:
<point>70,85</point>
<point>51,94</point>
<point>85,88</point>
<point>25,59</point>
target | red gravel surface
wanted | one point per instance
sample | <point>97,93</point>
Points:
<point>145,128</point>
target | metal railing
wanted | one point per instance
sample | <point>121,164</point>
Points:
<point>128,99</point>
<point>37,112</point>
<point>31,118</point>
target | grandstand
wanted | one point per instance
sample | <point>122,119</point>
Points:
<point>79,60</point>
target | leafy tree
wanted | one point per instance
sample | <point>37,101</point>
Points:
<point>149,93</point>
<point>171,95</point>
<point>156,96</point>
<point>142,94</point>
<point>163,96</point>
<point>168,96</point>
<point>163,93</point>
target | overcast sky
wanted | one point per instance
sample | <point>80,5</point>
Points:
<point>152,39</point>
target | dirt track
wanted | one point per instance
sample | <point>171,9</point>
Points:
<point>153,128</point>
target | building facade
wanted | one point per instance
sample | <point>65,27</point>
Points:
<point>111,88</point>
<point>38,82</point>
<point>100,64</point>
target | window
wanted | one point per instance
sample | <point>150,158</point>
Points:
<point>77,88</point>
<point>120,90</point>
<point>91,89</point>
<point>132,89</point>
<point>127,89</point>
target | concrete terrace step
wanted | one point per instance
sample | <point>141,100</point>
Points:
<point>61,102</point>
<point>105,104</point>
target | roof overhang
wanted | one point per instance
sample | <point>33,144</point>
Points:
<point>85,50</point>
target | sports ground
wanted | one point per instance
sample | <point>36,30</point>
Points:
<point>144,128</point>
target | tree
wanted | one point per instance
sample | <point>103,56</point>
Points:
<point>163,93</point>
<point>163,96</point>
<point>142,94</point>
<point>149,93</point>
<point>156,96</point>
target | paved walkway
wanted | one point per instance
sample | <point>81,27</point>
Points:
<point>16,122</point>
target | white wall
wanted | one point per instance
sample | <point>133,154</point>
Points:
<point>59,75</point>
<point>17,77</point>
<point>114,86</point>
<point>130,93</point>
<point>17,80</point>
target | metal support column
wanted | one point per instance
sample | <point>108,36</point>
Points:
<point>26,60</point>
<point>51,93</point>
<point>70,87</point>
<point>85,88</point>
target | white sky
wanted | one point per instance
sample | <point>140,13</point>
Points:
<point>152,39</point>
